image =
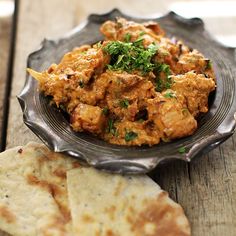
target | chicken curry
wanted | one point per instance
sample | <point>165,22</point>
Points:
<point>136,87</point>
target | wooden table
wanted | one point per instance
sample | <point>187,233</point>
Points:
<point>206,188</point>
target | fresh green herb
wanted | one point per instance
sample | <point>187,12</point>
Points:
<point>152,48</point>
<point>130,56</point>
<point>124,103</point>
<point>81,84</point>
<point>169,94</point>
<point>111,128</point>
<point>208,65</point>
<point>162,84</point>
<point>129,136</point>
<point>182,150</point>
<point>83,52</point>
<point>168,82</point>
<point>99,44</point>
<point>141,33</point>
<point>140,120</point>
<point>138,42</point>
<point>159,85</point>
<point>105,111</point>
<point>119,60</point>
<point>163,67</point>
<point>127,37</point>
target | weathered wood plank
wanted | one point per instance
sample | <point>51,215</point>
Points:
<point>5,41</point>
<point>205,188</point>
<point>37,20</point>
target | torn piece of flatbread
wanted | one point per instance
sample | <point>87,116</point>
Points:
<point>33,192</point>
<point>112,205</point>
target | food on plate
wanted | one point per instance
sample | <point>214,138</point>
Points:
<point>46,193</point>
<point>122,205</point>
<point>135,87</point>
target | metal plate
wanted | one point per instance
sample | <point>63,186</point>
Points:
<point>54,130</point>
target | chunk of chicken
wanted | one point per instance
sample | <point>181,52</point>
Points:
<point>194,61</point>
<point>74,71</point>
<point>150,31</point>
<point>87,118</point>
<point>81,64</point>
<point>91,95</point>
<point>195,88</point>
<point>132,89</point>
<point>111,88</point>
<point>169,52</point>
<point>171,116</point>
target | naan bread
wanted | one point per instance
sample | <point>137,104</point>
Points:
<point>112,205</point>
<point>43,193</point>
<point>33,192</point>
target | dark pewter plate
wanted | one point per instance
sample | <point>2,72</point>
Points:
<point>52,127</point>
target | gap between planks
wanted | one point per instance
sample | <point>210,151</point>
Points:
<point>10,67</point>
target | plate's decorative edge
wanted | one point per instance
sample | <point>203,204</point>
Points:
<point>122,165</point>
<point>117,13</point>
<point>195,21</point>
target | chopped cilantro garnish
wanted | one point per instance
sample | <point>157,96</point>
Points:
<point>130,56</point>
<point>105,111</point>
<point>162,84</point>
<point>152,48</point>
<point>165,68</point>
<point>168,82</point>
<point>140,120</point>
<point>182,150</point>
<point>111,128</point>
<point>99,44</point>
<point>119,60</point>
<point>169,94</point>
<point>141,33</point>
<point>208,64</point>
<point>159,85</point>
<point>127,37</point>
<point>138,42</point>
<point>124,103</point>
<point>129,136</point>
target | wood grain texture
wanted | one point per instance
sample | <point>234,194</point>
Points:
<point>5,40</point>
<point>37,20</point>
<point>206,188</point>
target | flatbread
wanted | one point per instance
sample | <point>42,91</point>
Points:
<point>43,193</point>
<point>33,192</point>
<point>112,205</point>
